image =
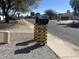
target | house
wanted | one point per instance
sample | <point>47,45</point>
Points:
<point>65,16</point>
<point>2,17</point>
<point>68,16</point>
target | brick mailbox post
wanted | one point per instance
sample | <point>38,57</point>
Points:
<point>40,29</point>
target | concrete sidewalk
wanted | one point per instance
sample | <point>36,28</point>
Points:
<point>60,47</point>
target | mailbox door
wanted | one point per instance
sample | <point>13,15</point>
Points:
<point>43,21</point>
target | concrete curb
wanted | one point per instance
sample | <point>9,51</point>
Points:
<point>6,36</point>
<point>60,48</point>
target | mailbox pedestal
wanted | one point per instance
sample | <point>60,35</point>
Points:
<point>40,31</point>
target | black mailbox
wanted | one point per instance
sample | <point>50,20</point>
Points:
<point>43,21</point>
<point>37,20</point>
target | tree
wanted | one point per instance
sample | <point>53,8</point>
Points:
<point>50,13</point>
<point>7,6</point>
<point>37,14</point>
<point>32,14</point>
<point>75,5</point>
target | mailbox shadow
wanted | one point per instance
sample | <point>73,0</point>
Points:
<point>25,43</point>
<point>27,49</point>
<point>2,43</point>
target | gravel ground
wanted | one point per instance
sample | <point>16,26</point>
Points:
<point>15,26</point>
<point>25,48</point>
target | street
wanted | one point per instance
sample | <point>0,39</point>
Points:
<point>66,33</point>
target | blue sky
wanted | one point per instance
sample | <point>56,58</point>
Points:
<point>59,6</point>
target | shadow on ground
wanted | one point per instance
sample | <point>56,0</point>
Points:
<point>2,43</point>
<point>26,49</point>
<point>71,25</point>
<point>24,43</point>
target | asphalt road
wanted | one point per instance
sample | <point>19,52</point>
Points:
<point>63,31</point>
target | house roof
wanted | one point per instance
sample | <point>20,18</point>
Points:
<point>66,14</point>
